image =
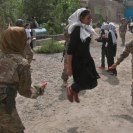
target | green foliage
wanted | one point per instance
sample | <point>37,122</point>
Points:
<point>62,9</point>
<point>51,13</point>
<point>37,8</point>
<point>50,47</point>
<point>10,10</point>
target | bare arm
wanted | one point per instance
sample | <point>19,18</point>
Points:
<point>125,53</point>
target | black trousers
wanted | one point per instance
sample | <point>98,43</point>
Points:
<point>110,61</point>
<point>103,55</point>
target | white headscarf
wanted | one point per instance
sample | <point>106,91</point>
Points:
<point>85,30</point>
<point>104,26</point>
<point>112,30</point>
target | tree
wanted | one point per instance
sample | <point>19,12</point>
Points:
<point>54,13</point>
<point>37,8</point>
<point>9,11</point>
<point>61,10</point>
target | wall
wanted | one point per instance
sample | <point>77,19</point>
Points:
<point>128,12</point>
<point>106,9</point>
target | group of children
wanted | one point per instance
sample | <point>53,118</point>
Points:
<point>77,58</point>
<point>108,38</point>
<point>15,74</point>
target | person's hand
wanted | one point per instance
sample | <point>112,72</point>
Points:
<point>112,67</point>
<point>34,93</point>
<point>42,87</point>
<point>38,89</point>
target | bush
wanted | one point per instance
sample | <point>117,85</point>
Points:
<point>50,47</point>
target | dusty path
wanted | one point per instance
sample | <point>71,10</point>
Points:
<point>105,109</point>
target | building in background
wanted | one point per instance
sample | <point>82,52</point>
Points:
<point>104,10</point>
<point>128,11</point>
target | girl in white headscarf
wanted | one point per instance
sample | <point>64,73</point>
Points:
<point>80,64</point>
<point>103,39</point>
<point>111,47</point>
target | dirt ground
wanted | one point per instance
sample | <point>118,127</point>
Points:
<point>105,109</point>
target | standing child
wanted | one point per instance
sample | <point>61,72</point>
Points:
<point>103,40</point>
<point>111,47</point>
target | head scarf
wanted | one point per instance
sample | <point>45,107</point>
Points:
<point>110,28</point>
<point>13,40</point>
<point>85,30</point>
<point>104,26</point>
<point>74,18</point>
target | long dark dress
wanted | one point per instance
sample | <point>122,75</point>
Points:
<point>83,67</point>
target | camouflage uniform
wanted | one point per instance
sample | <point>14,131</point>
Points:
<point>126,52</point>
<point>15,76</point>
<point>28,53</point>
<point>64,76</point>
<point>19,80</point>
<point>123,30</point>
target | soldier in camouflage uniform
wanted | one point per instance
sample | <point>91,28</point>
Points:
<point>126,52</point>
<point>28,51</point>
<point>15,77</point>
<point>64,75</point>
<point>123,30</point>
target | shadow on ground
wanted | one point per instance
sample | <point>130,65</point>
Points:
<point>111,79</point>
<point>124,116</point>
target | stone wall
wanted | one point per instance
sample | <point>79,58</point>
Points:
<point>105,9</point>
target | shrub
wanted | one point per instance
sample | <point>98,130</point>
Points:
<point>50,47</point>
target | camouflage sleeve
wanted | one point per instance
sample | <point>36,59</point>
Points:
<point>28,53</point>
<point>126,52</point>
<point>24,85</point>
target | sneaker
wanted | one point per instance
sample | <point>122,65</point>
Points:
<point>69,94</point>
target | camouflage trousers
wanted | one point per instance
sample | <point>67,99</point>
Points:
<point>64,75</point>
<point>122,36</point>
<point>10,123</point>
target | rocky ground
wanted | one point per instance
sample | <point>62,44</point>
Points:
<point>105,109</point>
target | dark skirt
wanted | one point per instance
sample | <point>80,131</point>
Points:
<point>84,74</point>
